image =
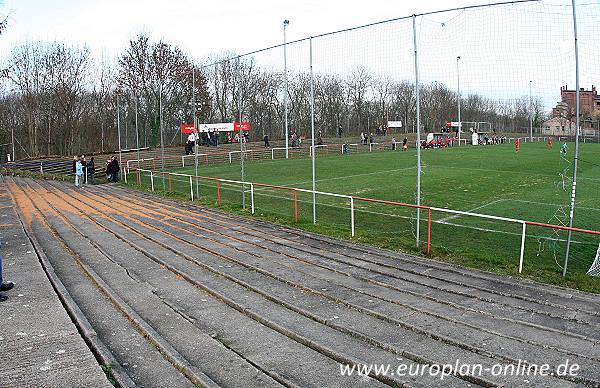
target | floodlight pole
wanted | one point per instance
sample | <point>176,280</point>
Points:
<point>162,143</point>
<point>241,138</point>
<point>418,128</point>
<point>196,137</point>
<point>312,130</point>
<point>530,115</point>
<point>459,97</point>
<point>285,96</point>
<point>12,136</point>
<point>577,129</point>
<point>119,127</point>
<point>137,134</point>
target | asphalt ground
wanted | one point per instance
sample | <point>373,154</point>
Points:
<point>179,295</point>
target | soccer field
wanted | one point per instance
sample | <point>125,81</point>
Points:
<point>534,185</point>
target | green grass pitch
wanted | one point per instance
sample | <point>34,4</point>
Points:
<point>534,185</point>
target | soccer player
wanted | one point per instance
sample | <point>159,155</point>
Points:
<point>517,144</point>
<point>563,150</point>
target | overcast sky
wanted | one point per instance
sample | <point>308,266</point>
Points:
<point>504,50</point>
<point>199,27</point>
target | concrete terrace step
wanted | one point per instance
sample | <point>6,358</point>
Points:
<point>229,294</point>
<point>39,343</point>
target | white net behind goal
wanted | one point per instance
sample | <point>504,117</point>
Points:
<point>595,268</point>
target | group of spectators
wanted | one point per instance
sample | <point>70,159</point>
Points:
<point>85,171</point>
<point>295,139</point>
<point>366,139</point>
<point>492,140</point>
<point>82,169</point>
<point>404,144</point>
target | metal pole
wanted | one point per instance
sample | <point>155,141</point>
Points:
<point>12,135</point>
<point>137,134</point>
<point>418,128</point>
<point>285,96</point>
<point>242,140</point>
<point>102,135</point>
<point>119,129</point>
<point>459,97</point>
<point>196,137</point>
<point>577,129</point>
<point>162,144</point>
<point>530,115</point>
<point>312,130</point>
<point>126,118</point>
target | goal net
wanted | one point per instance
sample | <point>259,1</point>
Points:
<point>595,268</point>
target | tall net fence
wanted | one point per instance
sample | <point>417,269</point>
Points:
<point>496,88</point>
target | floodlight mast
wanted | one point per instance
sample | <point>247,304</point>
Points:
<point>530,114</point>
<point>459,97</point>
<point>285,95</point>
<point>576,158</point>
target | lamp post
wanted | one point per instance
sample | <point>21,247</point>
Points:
<point>285,95</point>
<point>459,97</point>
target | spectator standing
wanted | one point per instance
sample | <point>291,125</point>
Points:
<point>4,286</point>
<point>371,138</point>
<point>405,144</point>
<point>266,140</point>
<point>115,169</point>
<point>393,144</point>
<point>191,143</point>
<point>84,166</point>
<point>108,173</point>
<point>91,170</point>
<point>78,173</point>
<point>74,162</point>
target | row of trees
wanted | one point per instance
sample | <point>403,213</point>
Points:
<point>58,101</point>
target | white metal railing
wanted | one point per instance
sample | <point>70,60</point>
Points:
<point>184,157</point>
<point>352,200</point>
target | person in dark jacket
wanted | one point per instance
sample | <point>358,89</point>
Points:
<point>114,169</point>
<point>91,171</point>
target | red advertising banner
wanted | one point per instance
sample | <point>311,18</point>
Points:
<point>187,128</point>
<point>245,125</point>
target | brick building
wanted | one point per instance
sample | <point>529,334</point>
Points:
<point>589,103</point>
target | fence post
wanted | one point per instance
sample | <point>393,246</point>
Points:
<point>86,174</point>
<point>125,174</point>
<point>295,206</point>
<point>42,169</point>
<point>522,248</point>
<point>152,180</point>
<point>252,197</point>
<point>137,177</point>
<point>352,215</point>
<point>272,154</point>
<point>219,193</point>
<point>183,161</point>
<point>230,157</point>
<point>191,188</point>
<point>428,230</point>
<point>170,185</point>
